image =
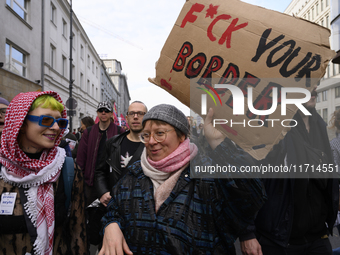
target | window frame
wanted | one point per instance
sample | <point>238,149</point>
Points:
<point>64,29</point>
<point>337,92</point>
<point>325,112</point>
<point>53,60</point>
<point>23,8</point>
<point>64,66</point>
<point>13,61</point>
<point>324,95</point>
<point>53,14</point>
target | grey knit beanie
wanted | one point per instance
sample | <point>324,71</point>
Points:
<point>169,114</point>
<point>3,101</point>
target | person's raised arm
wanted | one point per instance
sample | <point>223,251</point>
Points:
<point>213,136</point>
<point>241,188</point>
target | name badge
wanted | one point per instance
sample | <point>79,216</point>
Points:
<point>7,203</point>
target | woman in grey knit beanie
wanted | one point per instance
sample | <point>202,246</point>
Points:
<point>158,208</point>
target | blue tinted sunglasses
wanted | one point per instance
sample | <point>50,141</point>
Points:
<point>48,121</point>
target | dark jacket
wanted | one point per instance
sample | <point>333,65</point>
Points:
<point>105,179</point>
<point>201,216</point>
<point>88,149</point>
<point>275,219</point>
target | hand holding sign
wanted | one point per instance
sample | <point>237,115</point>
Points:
<point>253,49</point>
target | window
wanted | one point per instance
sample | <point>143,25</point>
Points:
<point>318,98</point>
<point>64,28</point>
<point>322,23</point>
<point>52,56</point>
<point>308,15</point>
<point>81,80</point>
<point>53,14</point>
<point>88,61</point>
<point>16,60</point>
<point>325,115</point>
<point>92,90</point>
<point>96,71</point>
<point>88,86</point>
<point>312,13</point>
<point>334,69</point>
<point>337,92</point>
<point>82,51</point>
<point>19,6</point>
<point>73,40</point>
<point>327,3</point>
<point>64,67</point>
<point>92,66</point>
<point>321,3</point>
<point>328,71</point>
<point>110,70</point>
<point>324,95</point>
<point>317,9</point>
<point>337,108</point>
<point>327,21</point>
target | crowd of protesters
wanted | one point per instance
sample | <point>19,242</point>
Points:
<point>131,192</point>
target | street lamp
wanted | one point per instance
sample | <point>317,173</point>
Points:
<point>71,103</point>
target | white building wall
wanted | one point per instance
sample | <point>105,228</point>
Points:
<point>22,34</point>
<point>319,11</point>
<point>119,79</point>
<point>335,24</point>
<point>108,89</point>
<point>91,84</point>
<point>85,65</point>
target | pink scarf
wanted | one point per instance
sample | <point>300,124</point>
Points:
<point>164,174</point>
<point>36,174</point>
<point>177,159</point>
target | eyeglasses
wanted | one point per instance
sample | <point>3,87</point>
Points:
<point>48,121</point>
<point>132,114</point>
<point>103,110</point>
<point>159,136</point>
<point>3,111</point>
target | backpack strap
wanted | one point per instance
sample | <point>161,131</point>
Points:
<point>68,176</point>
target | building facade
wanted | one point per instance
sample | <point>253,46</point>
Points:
<point>325,13</point>
<point>109,92</point>
<point>335,26</point>
<point>36,47</point>
<point>19,61</point>
<point>114,69</point>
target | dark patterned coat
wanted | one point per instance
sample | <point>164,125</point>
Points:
<point>201,216</point>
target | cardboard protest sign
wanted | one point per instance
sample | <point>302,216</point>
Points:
<point>235,43</point>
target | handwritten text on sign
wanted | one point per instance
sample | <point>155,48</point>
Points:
<point>251,49</point>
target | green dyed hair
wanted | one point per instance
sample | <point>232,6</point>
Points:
<point>47,101</point>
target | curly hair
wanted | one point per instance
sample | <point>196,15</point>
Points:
<point>335,120</point>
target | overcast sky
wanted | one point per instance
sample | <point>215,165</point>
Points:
<point>134,32</point>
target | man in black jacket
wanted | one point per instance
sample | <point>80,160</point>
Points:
<point>300,212</point>
<point>121,151</point>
